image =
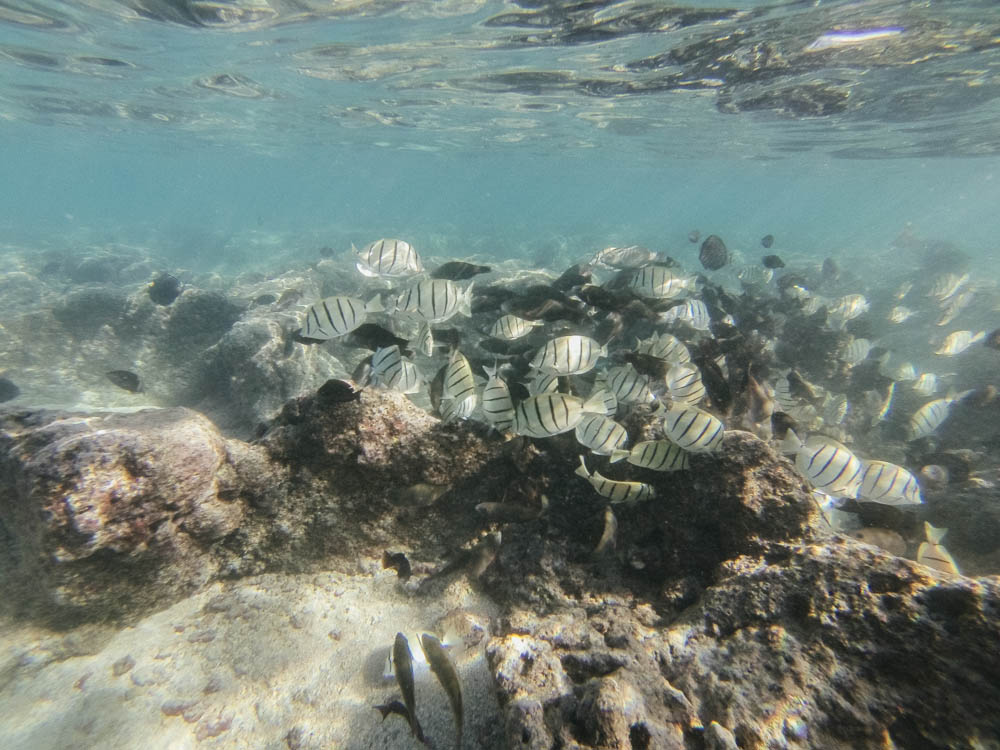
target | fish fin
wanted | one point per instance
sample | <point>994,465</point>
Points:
<point>933,533</point>
<point>595,404</point>
<point>490,371</point>
<point>365,271</point>
<point>374,305</point>
<point>465,301</point>
<point>791,443</point>
<point>604,350</point>
<point>617,455</point>
<point>581,470</point>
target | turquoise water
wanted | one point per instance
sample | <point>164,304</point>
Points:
<point>472,131</point>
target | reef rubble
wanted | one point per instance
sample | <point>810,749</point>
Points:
<point>722,616</point>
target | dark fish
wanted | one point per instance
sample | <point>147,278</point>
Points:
<point>648,365</point>
<point>993,340</point>
<point>484,553</point>
<point>402,661</point>
<point>335,391</point>
<point>830,269</point>
<point>694,235</point>
<point>576,275</point>
<point>767,240</point>
<point>326,252</point>
<point>457,270</point>
<point>713,254</point>
<point>8,390</point>
<point>772,261</point>
<point>715,382</point>
<point>373,336</point>
<point>297,337</point>
<point>799,387</point>
<point>444,669</point>
<point>125,379</point>
<point>393,707</point>
<point>759,404</point>
<point>602,299</point>
<point>164,289</point>
<point>447,337</point>
<point>263,299</point>
<point>508,512</point>
<point>397,561</point>
<point>781,423</point>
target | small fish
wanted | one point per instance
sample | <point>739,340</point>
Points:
<point>888,484</point>
<point>483,554</point>
<point>435,300</point>
<point>549,414</point>
<point>883,411</point>
<point>760,403</point>
<point>692,429</point>
<point>845,309</point>
<point>766,241</point>
<point>772,261</point>
<point>852,37</point>
<point>609,536</point>
<point>336,391</point>
<point>337,316</point>
<point>397,561</point>
<point>424,340</point>
<point>628,385</point>
<point>887,539</point>
<point>390,369</point>
<point>601,434</point>
<point>827,464</point>
<point>393,707</point>
<point>902,290</point>
<point>926,385</point>
<point>388,259</point>
<point>713,253</point>
<point>452,409</point>
<point>616,492</point>
<point>958,342</point>
<point>543,382</point>
<point>164,289</point>
<point>751,276</point>
<point>374,337</point>
<point>458,380</point>
<point>692,311</point>
<point>262,300</point>
<point>933,554</point>
<point>402,660</point>
<point>457,270</point>
<point>497,404</point>
<point>664,346</point>
<point>511,327</point>
<point>946,285</point>
<point>657,455</point>
<point>993,340</point>
<point>955,305</point>
<point>631,256</point>
<point>684,384</point>
<point>932,415</point>
<point>569,355</point>
<point>125,379</point>
<point>8,390</point>
<point>900,314</point>
<point>856,352</point>
<point>660,282</point>
<point>830,271</point>
<point>444,669</point>
<point>693,236</point>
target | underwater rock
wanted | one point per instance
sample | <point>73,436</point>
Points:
<point>112,513</point>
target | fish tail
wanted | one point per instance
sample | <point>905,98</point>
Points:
<point>465,301</point>
<point>595,404</point>
<point>374,305</point>
<point>791,443</point>
<point>365,271</point>
<point>581,470</point>
<point>617,455</point>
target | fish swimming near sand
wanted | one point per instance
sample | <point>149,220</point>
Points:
<point>933,554</point>
<point>444,669</point>
<point>713,253</point>
<point>402,661</point>
<point>458,270</point>
<point>388,258</point>
<point>772,261</point>
<point>852,37</point>
<point>125,379</point>
<point>615,491</point>
<point>630,256</point>
<point>164,289</point>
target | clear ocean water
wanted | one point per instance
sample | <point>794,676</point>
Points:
<point>223,133</point>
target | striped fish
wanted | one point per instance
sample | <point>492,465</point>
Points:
<point>338,316</point>
<point>497,404</point>
<point>926,384</point>
<point>424,342</point>
<point>856,352</point>
<point>828,465</point>
<point>616,492</point>
<point>628,385</point>
<point>692,429</point>
<point>435,300</point>
<point>457,408</point>
<point>392,370</point>
<point>549,414</point>
<point>543,382</point>
<point>931,415</point>
<point>951,308</point>
<point>684,384</point>
<point>601,434</point>
<point>458,381</point>
<point>846,308</point>
<point>388,258</point>
<point>658,455</point>
<point>754,275</point>
<point>568,355</point>
<point>692,311</point>
<point>610,399</point>
<point>834,408</point>
<point>511,327</point>
<point>900,314</point>
<point>886,483</point>
<point>664,346</point>
<point>883,411</point>
<point>660,282</point>
<point>945,285</point>
<point>933,554</point>
<point>958,342</point>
